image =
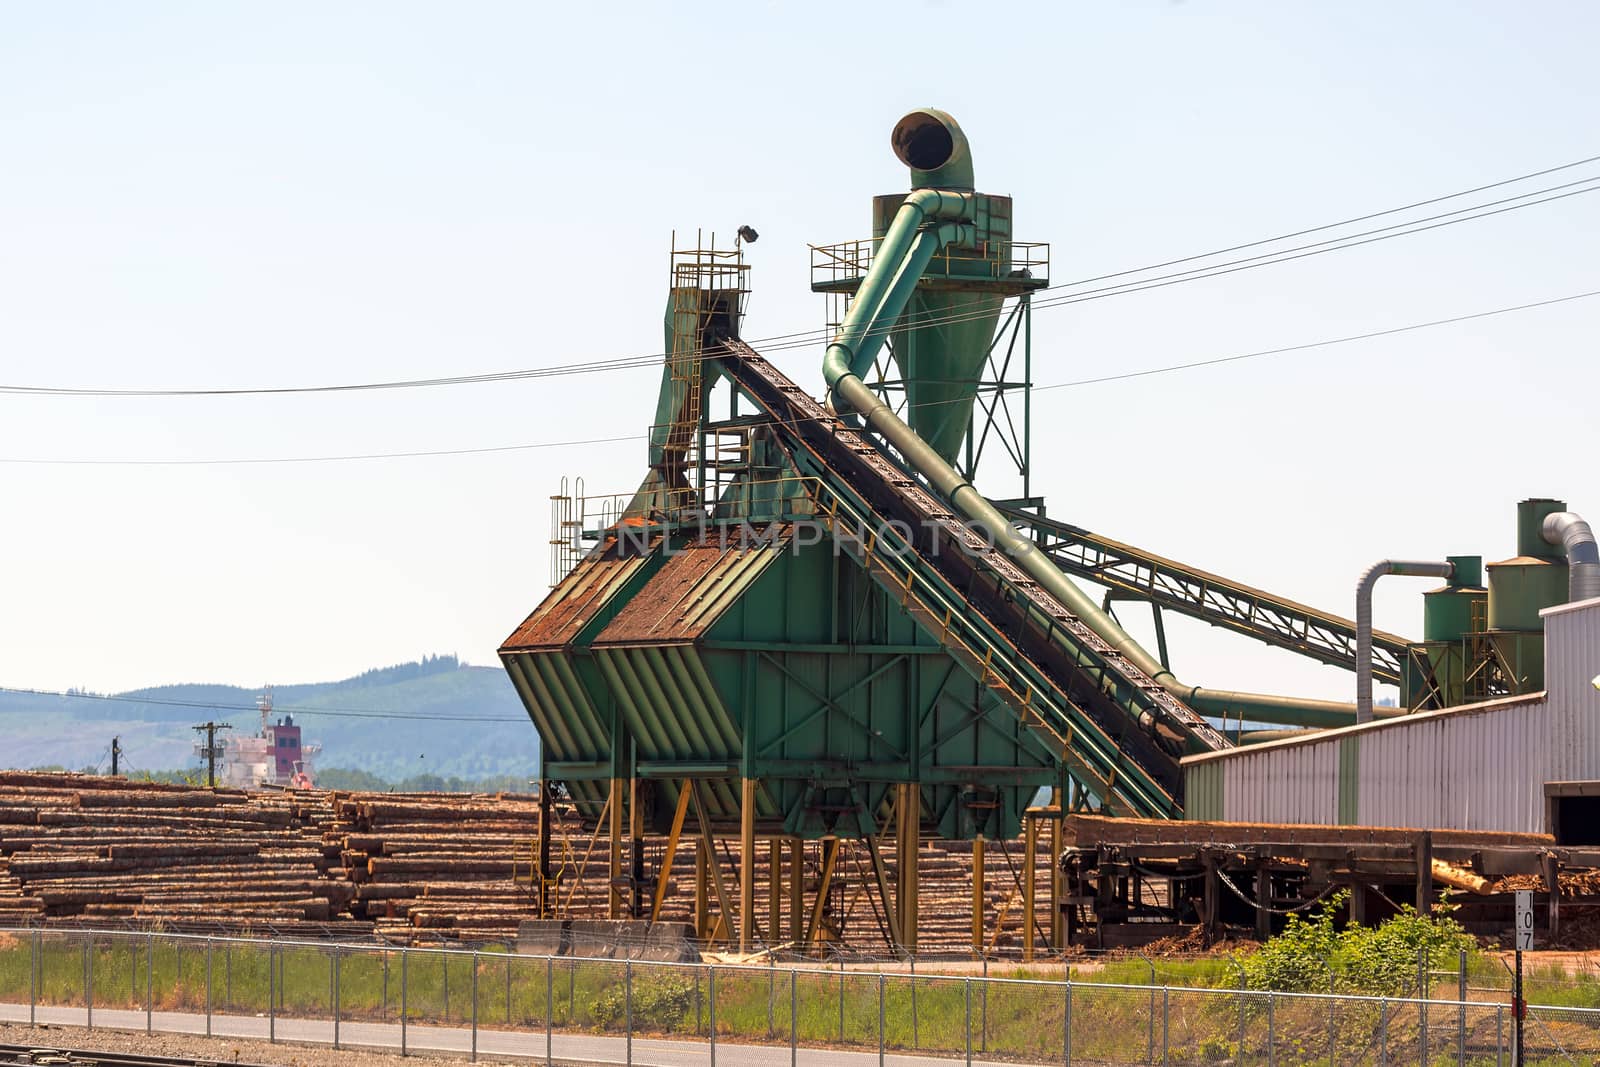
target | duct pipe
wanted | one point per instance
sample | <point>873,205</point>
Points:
<point>1583,557</point>
<point>1415,568</point>
<point>878,303</point>
<point>892,277</point>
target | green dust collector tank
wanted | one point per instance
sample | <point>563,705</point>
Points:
<point>949,322</point>
<point>1458,608</point>
<point>1534,579</point>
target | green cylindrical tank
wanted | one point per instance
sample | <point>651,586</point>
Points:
<point>1519,588</point>
<point>958,302</point>
<point>1530,528</point>
<point>1451,612</point>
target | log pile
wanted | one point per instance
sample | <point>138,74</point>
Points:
<point>97,849</point>
<point>82,849</point>
<point>435,862</point>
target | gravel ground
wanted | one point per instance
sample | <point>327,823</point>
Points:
<point>220,1049</point>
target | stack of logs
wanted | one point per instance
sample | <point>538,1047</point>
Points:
<point>437,862</point>
<point>98,849</point>
<point>407,866</point>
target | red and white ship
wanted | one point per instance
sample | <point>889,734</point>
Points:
<point>276,756</point>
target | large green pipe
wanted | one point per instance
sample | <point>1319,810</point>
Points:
<point>1279,710</point>
<point>872,312</point>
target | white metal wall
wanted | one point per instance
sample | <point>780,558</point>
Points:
<point>1481,769</point>
<point>1297,783</point>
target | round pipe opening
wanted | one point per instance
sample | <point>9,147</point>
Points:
<point>922,141</point>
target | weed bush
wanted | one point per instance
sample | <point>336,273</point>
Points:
<point>1311,956</point>
<point>660,1002</point>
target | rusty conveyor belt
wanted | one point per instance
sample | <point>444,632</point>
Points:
<point>1096,692</point>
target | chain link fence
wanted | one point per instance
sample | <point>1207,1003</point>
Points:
<point>562,1008</point>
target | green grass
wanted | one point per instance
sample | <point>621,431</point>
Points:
<point>929,1012</point>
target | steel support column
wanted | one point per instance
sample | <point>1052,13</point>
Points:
<point>747,862</point>
<point>797,890</point>
<point>702,912</point>
<point>775,890</point>
<point>614,868</point>
<point>908,812</point>
<point>1057,926</point>
<point>543,874</point>
<point>636,852</point>
<point>977,894</point>
<point>1030,830</point>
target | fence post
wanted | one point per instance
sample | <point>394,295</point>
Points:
<point>337,988</point>
<point>88,984</point>
<point>881,982</point>
<point>627,1006</point>
<point>969,1021</point>
<point>1333,1019</point>
<point>404,995</point>
<point>1066,1024</point>
<point>474,1005</point>
<point>711,998</point>
<point>208,992</point>
<point>1461,995</point>
<point>983,1008</point>
<point>549,1004</point>
<point>227,972</point>
<point>1150,1018</point>
<point>1243,1032</point>
<point>1499,1035</point>
<point>272,992</point>
<point>1272,1037</point>
<point>698,1015</point>
<point>1166,1022</point>
<point>33,978</point>
<point>794,1018</point>
<point>1424,992</point>
<point>841,1000</point>
<point>772,978</point>
<point>508,985</point>
<point>916,1041</point>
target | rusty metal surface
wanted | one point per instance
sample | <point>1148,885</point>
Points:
<point>693,587</point>
<point>591,584</point>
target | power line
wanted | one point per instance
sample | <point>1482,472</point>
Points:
<point>1167,369</point>
<point>325,459</point>
<point>355,713</point>
<point>805,338</point>
<point>1315,344</point>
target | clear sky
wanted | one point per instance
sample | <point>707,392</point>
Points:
<point>255,194</point>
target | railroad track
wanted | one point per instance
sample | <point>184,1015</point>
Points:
<point>10,1054</point>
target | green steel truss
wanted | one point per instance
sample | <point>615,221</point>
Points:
<point>1219,601</point>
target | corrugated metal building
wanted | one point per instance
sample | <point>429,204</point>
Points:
<point>1479,767</point>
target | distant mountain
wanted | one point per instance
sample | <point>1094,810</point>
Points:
<point>394,722</point>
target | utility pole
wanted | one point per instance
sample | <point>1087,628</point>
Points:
<point>116,751</point>
<point>210,751</point>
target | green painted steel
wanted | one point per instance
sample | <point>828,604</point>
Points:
<point>935,148</point>
<point>1522,587</point>
<point>1349,781</point>
<point>1209,597</point>
<point>1279,710</point>
<point>1530,528</point>
<point>1451,612</point>
<point>1203,791</point>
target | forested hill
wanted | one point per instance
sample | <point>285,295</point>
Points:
<point>394,722</point>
